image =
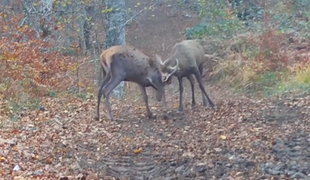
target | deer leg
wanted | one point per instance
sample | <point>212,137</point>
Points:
<point>114,81</point>
<point>165,109</point>
<point>180,79</point>
<point>164,102</point>
<point>105,81</point>
<point>191,81</point>
<point>199,79</point>
<point>145,98</point>
<point>201,69</point>
<point>204,99</point>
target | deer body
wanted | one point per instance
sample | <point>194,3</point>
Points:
<point>187,60</point>
<point>126,63</point>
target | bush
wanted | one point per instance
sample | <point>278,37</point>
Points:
<point>257,53</point>
<point>28,68</point>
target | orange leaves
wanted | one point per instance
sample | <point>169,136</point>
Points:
<point>15,131</point>
<point>27,60</point>
<point>49,160</point>
<point>35,157</point>
<point>2,159</point>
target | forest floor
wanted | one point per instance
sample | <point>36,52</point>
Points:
<point>246,138</point>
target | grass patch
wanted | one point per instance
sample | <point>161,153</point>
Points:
<point>298,80</point>
<point>255,78</point>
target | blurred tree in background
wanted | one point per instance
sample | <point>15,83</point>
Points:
<point>53,46</point>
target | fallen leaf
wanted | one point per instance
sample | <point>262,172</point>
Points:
<point>35,157</point>
<point>223,137</point>
<point>127,139</point>
<point>19,178</point>
<point>91,176</point>
<point>15,131</point>
<point>218,149</point>
<point>15,148</point>
<point>136,151</point>
<point>2,159</point>
<point>48,160</point>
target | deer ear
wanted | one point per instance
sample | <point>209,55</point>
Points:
<point>152,82</point>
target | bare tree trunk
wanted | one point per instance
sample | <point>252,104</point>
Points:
<point>46,9</point>
<point>81,21</point>
<point>115,32</point>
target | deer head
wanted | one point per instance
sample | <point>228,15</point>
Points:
<point>166,71</point>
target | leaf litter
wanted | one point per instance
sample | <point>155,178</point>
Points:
<point>246,138</point>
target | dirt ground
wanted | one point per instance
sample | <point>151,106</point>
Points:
<point>246,138</point>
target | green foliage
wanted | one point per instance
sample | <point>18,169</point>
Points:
<point>255,43</point>
<point>198,31</point>
<point>52,93</point>
<point>267,83</point>
<point>82,96</point>
<point>85,95</point>
<point>267,79</point>
<point>298,80</point>
<point>16,107</point>
<point>216,21</point>
<point>67,51</point>
<point>107,10</point>
<point>302,77</point>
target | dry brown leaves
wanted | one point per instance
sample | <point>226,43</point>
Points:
<point>54,142</point>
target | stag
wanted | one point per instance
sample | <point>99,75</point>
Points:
<point>187,60</point>
<point>126,63</point>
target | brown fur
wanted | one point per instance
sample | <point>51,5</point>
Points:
<point>126,63</point>
<point>188,58</point>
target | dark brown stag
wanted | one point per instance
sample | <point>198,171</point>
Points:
<point>126,63</point>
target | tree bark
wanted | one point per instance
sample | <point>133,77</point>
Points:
<point>81,21</point>
<point>115,32</point>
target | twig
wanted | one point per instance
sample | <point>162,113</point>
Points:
<point>94,60</point>
<point>77,73</point>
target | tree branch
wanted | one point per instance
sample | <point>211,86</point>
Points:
<point>128,20</point>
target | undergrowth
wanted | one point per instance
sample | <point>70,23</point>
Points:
<point>267,53</point>
<point>262,48</point>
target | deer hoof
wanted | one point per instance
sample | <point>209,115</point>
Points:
<point>96,118</point>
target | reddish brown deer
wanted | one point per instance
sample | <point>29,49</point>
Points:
<point>187,60</point>
<point>126,63</point>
